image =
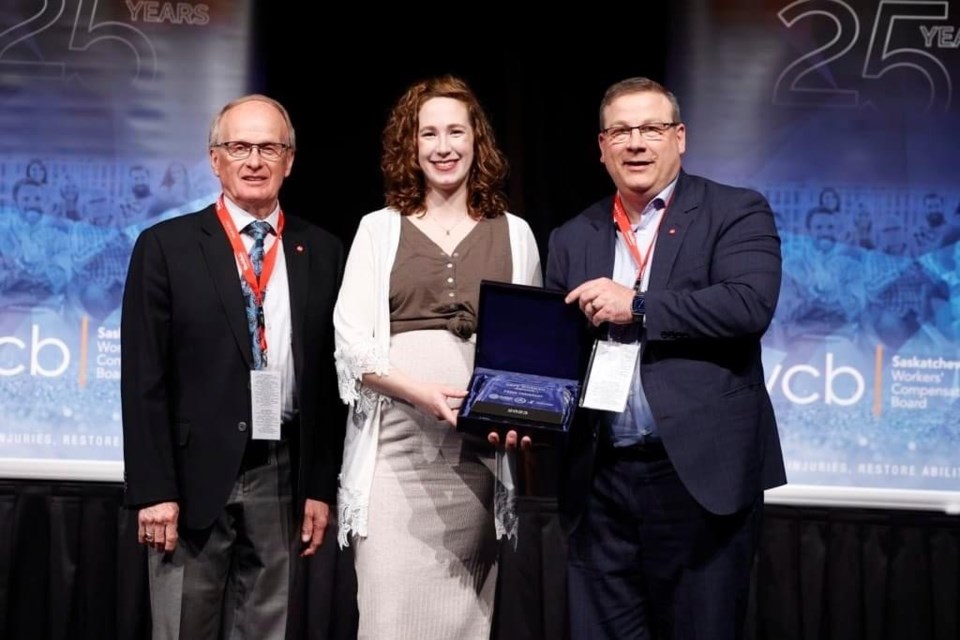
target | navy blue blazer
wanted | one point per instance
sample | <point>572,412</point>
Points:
<point>714,283</point>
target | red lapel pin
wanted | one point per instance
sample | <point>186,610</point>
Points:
<point>672,231</point>
<point>299,248</point>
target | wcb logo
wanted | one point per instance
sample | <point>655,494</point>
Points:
<point>831,384</point>
<point>42,357</point>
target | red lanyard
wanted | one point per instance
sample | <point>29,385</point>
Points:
<point>257,286</point>
<point>623,223</point>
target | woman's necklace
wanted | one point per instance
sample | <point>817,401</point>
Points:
<point>447,230</point>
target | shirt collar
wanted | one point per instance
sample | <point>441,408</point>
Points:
<point>656,205</point>
<point>241,218</point>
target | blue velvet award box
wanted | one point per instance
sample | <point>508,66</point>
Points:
<point>527,368</point>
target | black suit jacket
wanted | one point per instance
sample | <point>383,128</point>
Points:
<point>714,282</point>
<point>186,361</point>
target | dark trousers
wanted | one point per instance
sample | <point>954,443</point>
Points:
<point>232,581</point>
<point>646,561</point>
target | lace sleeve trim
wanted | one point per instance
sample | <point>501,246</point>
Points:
<point>352,363</point>
<point>352,515</point>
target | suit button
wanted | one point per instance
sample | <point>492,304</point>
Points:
<point>241,426</point>
<point>595,435</point>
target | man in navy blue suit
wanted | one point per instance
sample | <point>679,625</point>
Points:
<point>663,499</point>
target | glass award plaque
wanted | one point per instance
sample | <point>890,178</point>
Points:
<point>528,363</point>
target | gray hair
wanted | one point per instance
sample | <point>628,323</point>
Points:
<point>214,137</point>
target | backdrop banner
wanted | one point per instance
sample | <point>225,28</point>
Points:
<point>104,114</point>
<point>844,115</point>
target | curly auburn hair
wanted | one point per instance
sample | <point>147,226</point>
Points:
<point>403,178</point>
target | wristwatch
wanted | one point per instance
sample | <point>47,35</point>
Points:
<point>638,306</point>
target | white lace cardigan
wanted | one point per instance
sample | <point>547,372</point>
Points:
<point>362,322</point>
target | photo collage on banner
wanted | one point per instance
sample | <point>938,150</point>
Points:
<point>846,116</point>
<point>104,113</point>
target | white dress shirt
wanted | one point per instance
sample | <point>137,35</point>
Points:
<point>636,423</point>
<point>276,308</point>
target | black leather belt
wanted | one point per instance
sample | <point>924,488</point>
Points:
<point>648,451</point>
<point>257,452</point>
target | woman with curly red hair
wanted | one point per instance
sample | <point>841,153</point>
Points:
<point>419,499</point>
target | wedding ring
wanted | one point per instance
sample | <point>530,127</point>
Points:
<point>148,537</point>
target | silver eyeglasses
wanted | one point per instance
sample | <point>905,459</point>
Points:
<point>240,150</point>
<point>652,131</point>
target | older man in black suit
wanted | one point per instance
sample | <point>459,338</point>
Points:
<point>231,424</point>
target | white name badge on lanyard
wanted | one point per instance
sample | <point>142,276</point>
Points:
<point>265,399</point>
<point>610,376</point>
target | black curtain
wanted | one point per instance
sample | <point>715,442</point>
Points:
<point>540,86</point>
<point>70,568</point>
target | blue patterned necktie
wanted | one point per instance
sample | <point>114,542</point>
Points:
<point>258,230</point>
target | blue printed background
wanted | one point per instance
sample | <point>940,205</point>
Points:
<point>845,115</point>
<point>104,109</point>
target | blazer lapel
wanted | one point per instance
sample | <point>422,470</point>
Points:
<point>297,259</point>
<point>600,246</point>
<point>222,266</point>
<point>673,228</point>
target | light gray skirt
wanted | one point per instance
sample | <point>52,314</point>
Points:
<point>427,568</point>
